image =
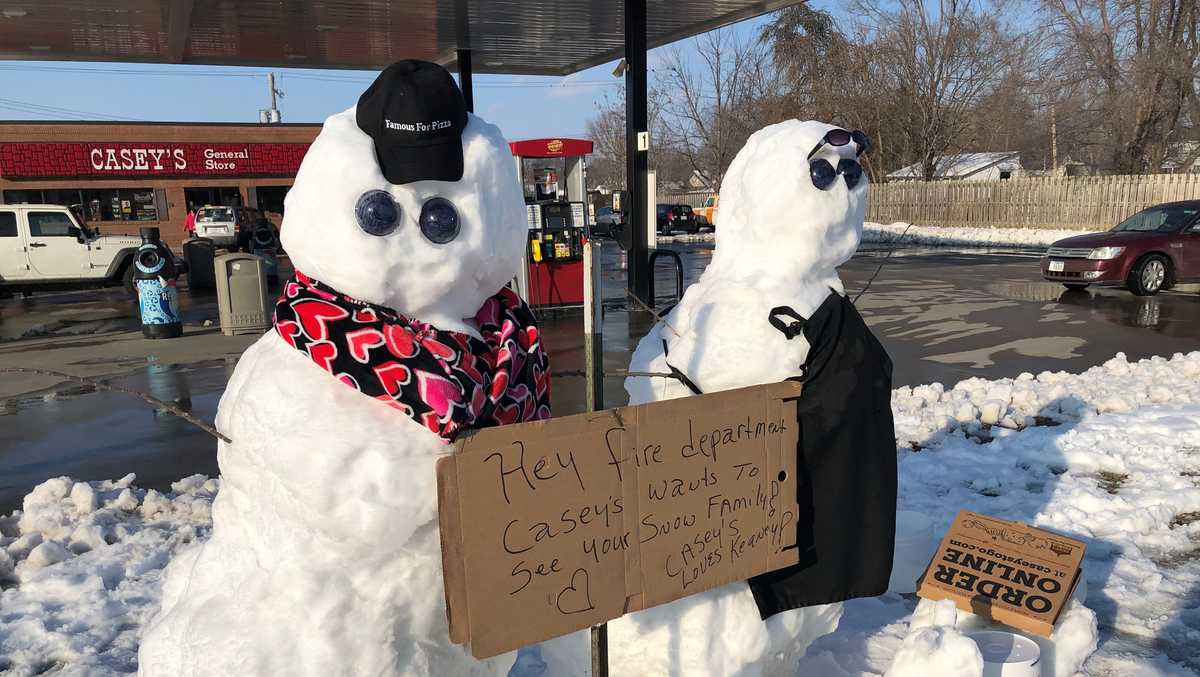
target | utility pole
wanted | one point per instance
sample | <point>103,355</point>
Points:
<point>271,115</point>
<point>1053,139</point>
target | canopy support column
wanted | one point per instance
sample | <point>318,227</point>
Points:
<point>464,78</point>
<point>636,155</point>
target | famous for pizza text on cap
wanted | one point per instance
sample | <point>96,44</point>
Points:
<point>415,114</point>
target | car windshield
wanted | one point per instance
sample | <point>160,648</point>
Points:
<point>210,214</point>
<point>1158,219</point>
<point>604,211</point>
<point>685,209</point>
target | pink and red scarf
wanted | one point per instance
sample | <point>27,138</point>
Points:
<point>447,381</point>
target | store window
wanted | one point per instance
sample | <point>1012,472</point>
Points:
<point>97,204</point>
<point>51,224</point>
<point>123,204</point>
<point>223,196</point>
<point>8,224</point>
<point>270,198</point>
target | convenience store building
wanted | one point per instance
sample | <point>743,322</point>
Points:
<point>122,176</point>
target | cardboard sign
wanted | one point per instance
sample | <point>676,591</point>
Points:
<point>1007,571</point>
<point>554,526</point>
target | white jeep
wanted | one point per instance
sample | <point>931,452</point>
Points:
<point>45,247</point>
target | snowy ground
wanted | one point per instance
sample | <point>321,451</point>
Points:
<point>938,236</point>
<point>1111,456</point>
<point>964,236</point>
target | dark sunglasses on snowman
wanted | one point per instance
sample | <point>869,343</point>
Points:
<point>823,173</point>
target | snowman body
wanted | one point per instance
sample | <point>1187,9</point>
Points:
<point>325,556</point>
<point>778,244</point>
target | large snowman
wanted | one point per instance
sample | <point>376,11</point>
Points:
<point>792,206</point>
<point>405,221</point>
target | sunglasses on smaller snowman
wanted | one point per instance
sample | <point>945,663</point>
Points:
<point>823,173</point>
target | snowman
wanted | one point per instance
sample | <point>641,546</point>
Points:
<point>405,222</point>
<point>792,205</point>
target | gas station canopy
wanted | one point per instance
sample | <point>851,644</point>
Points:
<point>538,37</point>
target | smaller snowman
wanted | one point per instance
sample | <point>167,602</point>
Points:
<point>405,223</point>
<point>771,307</point>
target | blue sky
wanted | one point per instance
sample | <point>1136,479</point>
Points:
<point>523,107</point>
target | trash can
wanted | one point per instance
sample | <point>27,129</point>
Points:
<point>242,297</point>
<point>199,253</point>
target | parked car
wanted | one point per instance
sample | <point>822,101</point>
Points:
<point>671,218</point>
<point>607,223</point>
<point>1150,251</point>
<point>46,247</point>
<point>219,224</point>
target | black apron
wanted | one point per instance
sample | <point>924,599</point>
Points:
<point>847,467</point>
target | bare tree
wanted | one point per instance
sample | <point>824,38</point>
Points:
<point>606,129</point>
<point>1132,65</point>
<point>709,108</point>
<point>939,61</point>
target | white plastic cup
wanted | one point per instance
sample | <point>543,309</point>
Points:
<point>1007,654</point>
<point>914,547</point>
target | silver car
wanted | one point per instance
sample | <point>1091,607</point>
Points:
<point>218,224</point>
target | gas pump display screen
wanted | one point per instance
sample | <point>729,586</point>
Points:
<point>556,215</point>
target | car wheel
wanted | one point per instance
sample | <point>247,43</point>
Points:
<point>127,280</point>
<point>1075,287</point>
<point>1149,275</point>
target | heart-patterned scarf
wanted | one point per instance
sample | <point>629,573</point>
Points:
<point>447,381</point>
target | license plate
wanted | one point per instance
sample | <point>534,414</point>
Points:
<point>1055,267</point>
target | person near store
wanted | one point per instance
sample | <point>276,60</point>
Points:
<point>189,221</point>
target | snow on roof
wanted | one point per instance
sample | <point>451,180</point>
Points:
<point>962,165</point>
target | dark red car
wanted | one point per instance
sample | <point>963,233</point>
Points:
<point>1147,252</point>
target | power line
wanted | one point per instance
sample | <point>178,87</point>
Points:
<point>50,111</point>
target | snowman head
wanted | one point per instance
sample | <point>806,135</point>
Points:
<point>775,215</point>
<point>433,249</point>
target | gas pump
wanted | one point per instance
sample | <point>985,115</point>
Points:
<point>553,272</point>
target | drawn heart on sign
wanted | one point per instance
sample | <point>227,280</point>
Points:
<point>576,598</point>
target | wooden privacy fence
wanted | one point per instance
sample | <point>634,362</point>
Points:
<point>693,198</point>
<point>1087,202</point>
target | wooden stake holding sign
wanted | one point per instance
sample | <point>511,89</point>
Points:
<point>555,526</point>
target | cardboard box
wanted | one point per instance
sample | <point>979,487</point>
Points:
<point>1009,572</point>
<point>554,526</point>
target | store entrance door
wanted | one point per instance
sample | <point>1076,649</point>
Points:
<point>217,196</point>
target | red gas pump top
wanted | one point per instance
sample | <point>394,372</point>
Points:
<point>555,147</point>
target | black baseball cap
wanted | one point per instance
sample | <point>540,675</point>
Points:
<point>415,113</point>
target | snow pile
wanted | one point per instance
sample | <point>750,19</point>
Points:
<point>935,647</point>
<point>926,414</point>
<point>1110,456</point>
<point>965,236</point>
<point>81,564</point>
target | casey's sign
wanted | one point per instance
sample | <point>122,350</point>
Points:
<point>50,160</point>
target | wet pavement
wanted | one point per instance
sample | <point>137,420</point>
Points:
<point>944,315</point>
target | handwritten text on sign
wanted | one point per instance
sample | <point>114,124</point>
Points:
<point>557,525</point>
